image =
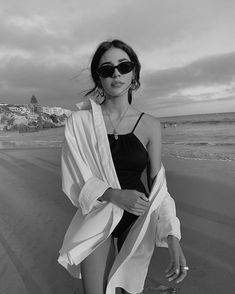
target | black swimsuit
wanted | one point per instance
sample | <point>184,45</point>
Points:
<point>130,158</point>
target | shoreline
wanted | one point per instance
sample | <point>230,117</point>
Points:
<point>44,138</point>
<point>15,145</point>
<point>21,145</point>
<point>177,142</point>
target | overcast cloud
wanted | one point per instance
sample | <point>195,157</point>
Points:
<point>186,48</point>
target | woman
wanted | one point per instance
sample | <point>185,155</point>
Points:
<point>108,145</point>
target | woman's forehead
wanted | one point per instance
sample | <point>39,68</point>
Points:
<point>114,55</point>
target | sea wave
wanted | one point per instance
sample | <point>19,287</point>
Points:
<point>200,119</point>
<point>208,141</point>
<point>201,152</point>
<point>206,159</point>
<point>31,144</point>
<point>202,143</point>
<point>201,156</point>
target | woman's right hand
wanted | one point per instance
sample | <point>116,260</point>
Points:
<point>132,201</point>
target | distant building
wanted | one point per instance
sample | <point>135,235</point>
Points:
<point>13,108</point>
<point>55,110</point>
<point>39,108</point>
<point>2,128</point>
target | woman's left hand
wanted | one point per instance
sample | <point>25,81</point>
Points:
<point>177,269</point>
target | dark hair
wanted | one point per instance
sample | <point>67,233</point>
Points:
<point>101,49</point>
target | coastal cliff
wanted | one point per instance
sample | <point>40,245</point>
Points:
<point>31,117</point>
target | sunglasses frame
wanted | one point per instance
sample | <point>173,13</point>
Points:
<point>112,69</point>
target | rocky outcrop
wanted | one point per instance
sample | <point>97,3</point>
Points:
<point>24,118</point>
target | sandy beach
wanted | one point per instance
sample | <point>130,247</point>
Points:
<point>34,215</point>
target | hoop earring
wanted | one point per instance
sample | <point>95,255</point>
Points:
<point>100,95</point>
<point>134,84</point>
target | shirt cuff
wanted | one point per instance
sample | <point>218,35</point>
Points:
<point>169,227</point>
<point>91,191</point>
<point>167,223</point>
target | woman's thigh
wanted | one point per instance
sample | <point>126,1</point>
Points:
<point>96,267</point>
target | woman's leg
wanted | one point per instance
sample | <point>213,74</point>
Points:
<point>96,267</point>
<point>121,239</point>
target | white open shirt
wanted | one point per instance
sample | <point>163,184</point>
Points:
<point>87,171</point>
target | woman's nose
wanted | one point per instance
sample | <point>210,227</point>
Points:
<point>116,73</point>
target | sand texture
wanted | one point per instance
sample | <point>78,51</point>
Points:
<point>34,215</point>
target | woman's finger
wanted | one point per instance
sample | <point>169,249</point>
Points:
<point>169,268</point>
<point>141,206</point>
<point>137,211</point>
<point>177,273</point>
<point>173,274</point>
<point>182,275</point>
<point>143,196</point>
<point>177,270</point>
<point>143,202</point>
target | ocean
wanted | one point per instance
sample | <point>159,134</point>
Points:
<point>200,137</point>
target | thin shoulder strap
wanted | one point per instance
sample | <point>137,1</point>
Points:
<point>137,122</point>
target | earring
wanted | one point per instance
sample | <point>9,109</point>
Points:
<point>134,84</point>
<point>100,95</point>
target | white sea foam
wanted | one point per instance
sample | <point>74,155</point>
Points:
<point>205,159</point>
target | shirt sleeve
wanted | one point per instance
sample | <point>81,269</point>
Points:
<point>81,186</point>
<point>167,223</point>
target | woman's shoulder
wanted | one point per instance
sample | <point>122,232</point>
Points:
<point>151,122</point>
<point>151,128</point>
<point>148,122</point>
<point>152,131</point>
<point>146,118</point>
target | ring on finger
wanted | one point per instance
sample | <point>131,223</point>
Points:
<point>184,267</point>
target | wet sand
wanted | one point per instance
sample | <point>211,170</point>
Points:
<point>34,215</point>
<point>44,138</point>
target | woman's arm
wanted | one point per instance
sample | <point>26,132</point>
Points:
<point>81,186</point>
<point>168,228</point>
<point>132,201</point>
<point>154,147</point>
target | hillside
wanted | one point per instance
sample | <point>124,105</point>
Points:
<point>31,117</point>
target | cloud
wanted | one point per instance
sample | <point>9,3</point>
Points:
<point>51,85</point>
<point>152,27</point>
<point>186,47</point>
<point>210,71</point>
<point>30,34</point>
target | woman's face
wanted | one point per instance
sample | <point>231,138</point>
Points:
<point>117,84</point>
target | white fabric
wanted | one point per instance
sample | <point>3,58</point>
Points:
<point>87,171</point>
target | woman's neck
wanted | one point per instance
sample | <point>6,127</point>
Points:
<point>116,105</point>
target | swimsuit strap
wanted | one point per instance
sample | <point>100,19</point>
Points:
<point>137,122</point>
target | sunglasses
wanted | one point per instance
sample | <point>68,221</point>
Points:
<point>106,71</point>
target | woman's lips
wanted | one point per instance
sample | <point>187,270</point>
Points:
<point>117,84</point>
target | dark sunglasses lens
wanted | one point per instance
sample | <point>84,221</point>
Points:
<point>125,67</point>
<point>106,71</point>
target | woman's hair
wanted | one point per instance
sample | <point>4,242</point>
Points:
<point>101,49</point>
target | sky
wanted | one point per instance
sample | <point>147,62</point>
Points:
<point>186,49</point>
